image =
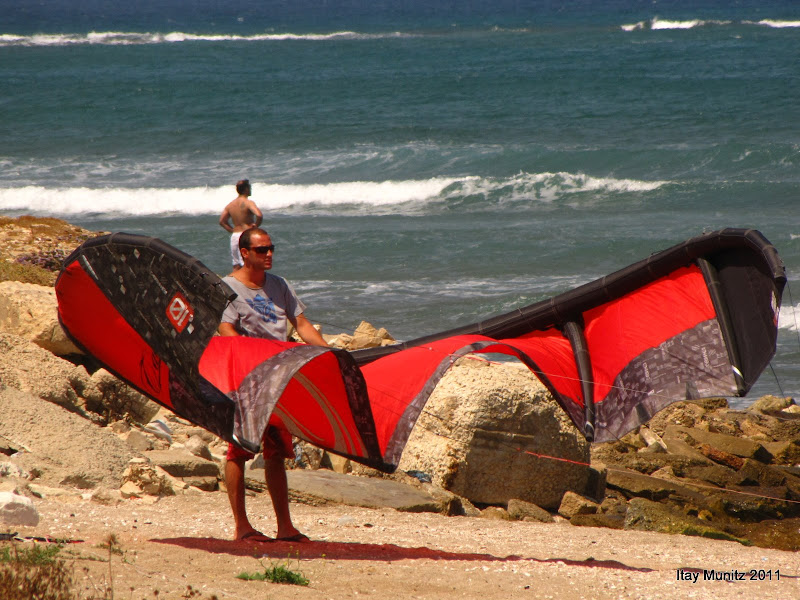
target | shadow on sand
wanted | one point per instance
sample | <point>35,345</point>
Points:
<point>357,551</point>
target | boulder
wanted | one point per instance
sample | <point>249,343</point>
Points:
<point>17,510</point>
<point>30,311</point>
<point>487,434</point>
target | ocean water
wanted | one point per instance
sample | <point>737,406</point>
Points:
<point>420,165</point>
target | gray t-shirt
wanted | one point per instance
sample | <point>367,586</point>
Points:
<point>262,312</point>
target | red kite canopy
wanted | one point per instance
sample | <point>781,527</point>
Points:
<point>696,320</point>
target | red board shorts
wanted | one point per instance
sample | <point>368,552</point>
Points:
<point>277,440</point>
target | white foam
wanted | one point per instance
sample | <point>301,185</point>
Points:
<point>789,318</point>
<point>657,24</point>
<point>122,38</point>
<point>374,197</point>
<point>778,24</point>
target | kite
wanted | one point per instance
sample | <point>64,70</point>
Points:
<point>696,320</point>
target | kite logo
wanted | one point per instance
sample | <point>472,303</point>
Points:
<point>179,312</point>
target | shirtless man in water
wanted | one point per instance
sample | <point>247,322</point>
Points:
<point>244,214</point>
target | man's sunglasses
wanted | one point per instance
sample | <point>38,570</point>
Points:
<point>262,249</point>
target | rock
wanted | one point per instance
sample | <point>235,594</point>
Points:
<point>684,414</point>
<point>720,456</point>
<point>360,491</point>
<point>726,443</point>
<point>676,444</point>
<point>767,404</point>
<point>117,400</point>
<point>180,463</point>
<point>197,446</point>
<point>519,510</point>
<point>652,439</point>
<point>718,475</point>
<point>608,520</point>
<point>138,441</point>
<point>496,513</point>
<point>29,368</point>
<point>784,452</point>
<point>17,510</point>
<point>141,477</point>
<point>107,497</point>
<point>574,504</point>
<point>337,464</point>
<point>475,430</point>
<point>30,311</point>
<point>645,515</point>
<point>633,484</point>
<point>753,472</point>
<point>13,471</point>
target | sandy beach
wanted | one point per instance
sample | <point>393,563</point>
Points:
<point>181,545</point>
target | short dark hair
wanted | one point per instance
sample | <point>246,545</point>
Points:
<point>242,186</point>
<point>244,239</point>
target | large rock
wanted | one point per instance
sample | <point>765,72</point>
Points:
<point>31,312</point>
<point>487,433</point>
<point>29,368</point>
<point>17,510</point>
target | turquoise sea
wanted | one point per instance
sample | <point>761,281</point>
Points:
<point>421,165</point>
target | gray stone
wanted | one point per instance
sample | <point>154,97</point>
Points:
<point>633,484</point>
<point>520,510</point>
<point>197,446</point>
<point>741,447</point>
<point>770,404</point>
<point>495,513</point>
<point>138,441</point>
<point>574,504</point>
<point>180,463</point>
<point>644,515</point>
<point>361,491</point>
<point>17,510</point>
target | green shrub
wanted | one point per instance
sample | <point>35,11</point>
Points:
<point>11,271</point>
<point>275,573</point>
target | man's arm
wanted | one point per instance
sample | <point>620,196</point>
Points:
<point>223,220</point>
<point>307,331</point>
<point>227,329</point>
<point>256,213</point>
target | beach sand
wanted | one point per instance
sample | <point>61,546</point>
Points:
<point>179,546</point>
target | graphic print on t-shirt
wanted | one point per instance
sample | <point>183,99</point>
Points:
<point>264,307</point>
